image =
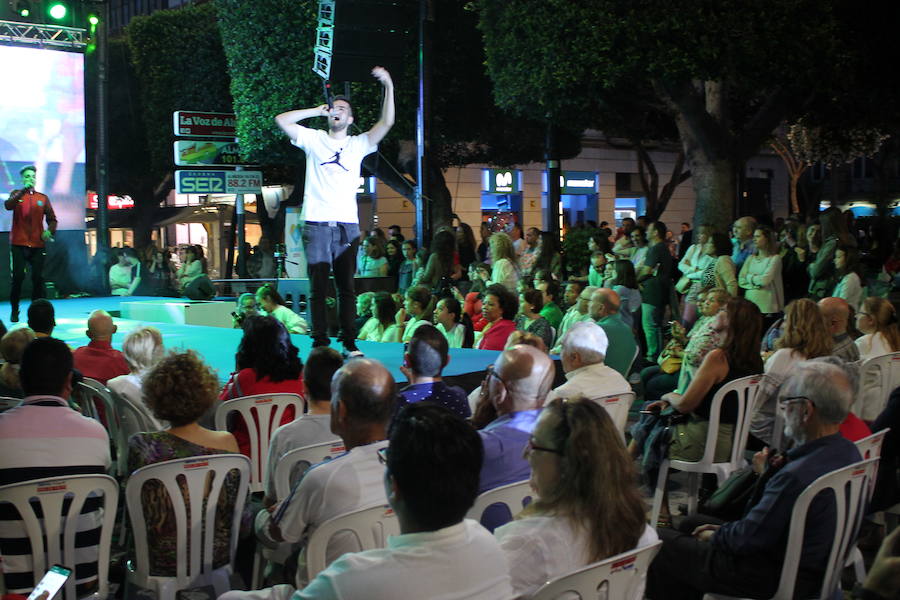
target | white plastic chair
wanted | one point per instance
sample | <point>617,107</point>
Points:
<point>86,392</point>
<point>851,489</point>
<point>869,447</point>
<point>371,526</point>
<point>624,576</point>
<point>515,496</point>
<point>6,403</point>
<point>195,569</point>
<point>260,427</point>
<point>745,389</point>
<point>878,377</point>
<point>617,405</point>
<point>59,523</point>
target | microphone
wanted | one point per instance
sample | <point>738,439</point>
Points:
<point>326,89</point>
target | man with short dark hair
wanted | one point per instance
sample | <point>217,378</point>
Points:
<point>424,360</point>
<point>41,317</point>
<point>44,437</point>
<point>656,278</point>
<point>28,236</point>
<point>550,310</point>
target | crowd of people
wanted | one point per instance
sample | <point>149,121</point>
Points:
<point>672,319</point>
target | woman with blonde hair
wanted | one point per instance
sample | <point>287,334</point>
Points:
<point>505,269</point>
<point>143,349</point>
<point>587,506</point>
<point>877,319</point>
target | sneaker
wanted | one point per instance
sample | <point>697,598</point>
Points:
<point>350,354</point>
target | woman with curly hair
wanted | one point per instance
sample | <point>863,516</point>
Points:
<point>804,336</point>
<point>179,390</point>
<point>530,320</point>
<point>587,506</point>
<point>499,309</point>
<point>505,270</point>
<point>877,319</point>
<point>267,362</point>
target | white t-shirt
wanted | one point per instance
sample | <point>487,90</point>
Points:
<point>332,174</point>
<point>873,344</point>
<point>293,322</point>
<point>307,430</point>
<point>540,548</point>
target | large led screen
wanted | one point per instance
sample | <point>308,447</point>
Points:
<point>42,124</point>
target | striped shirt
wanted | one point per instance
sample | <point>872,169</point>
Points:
<point>41,438</point>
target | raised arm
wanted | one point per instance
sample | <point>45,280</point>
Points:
<point>287,121</point>
<point>386,121</point>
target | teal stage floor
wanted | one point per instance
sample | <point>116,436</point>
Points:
<point>218,345</point>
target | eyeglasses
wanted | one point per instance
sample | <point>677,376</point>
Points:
<point>490,372</point>
<point>530,446</point>
<point>383,455</point>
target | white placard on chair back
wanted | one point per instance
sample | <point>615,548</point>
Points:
<point>52,535</point>
<point>262,413</point>
<point>197,568</point>
<point>286,475</point>
<point>617,405</point>
<point>371,526</point>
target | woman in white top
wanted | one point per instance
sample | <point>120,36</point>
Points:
<point>505,270</point>
<point>373,262</point>
<point>417,306</point>
<point>586,507</point>
<point>381,327</point>
<point>877,319</point>
<point>143,348</point>
<point>761,276</point>
<point>692,266</point>
<point>448,319</point>
<point>849,287</point>
<point>272,303</point>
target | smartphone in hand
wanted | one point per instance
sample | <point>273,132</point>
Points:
<point>52,581</point>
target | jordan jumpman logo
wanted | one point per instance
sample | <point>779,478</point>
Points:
<point>336,160</point>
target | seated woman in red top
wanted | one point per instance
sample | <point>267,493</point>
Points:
<point>267,363</point>
<point>499,309</point>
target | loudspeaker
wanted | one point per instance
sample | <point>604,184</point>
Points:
<point>355,35</point>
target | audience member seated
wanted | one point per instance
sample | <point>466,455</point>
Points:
<point>273,304</point>
<point>550,310</point>
<point>877,319</point>
<point>43,437</point>
<point>704,336</point>
<point>579,313</point>
<point>418,306</point>
<point>522,337</point>
<point>451,321</point>
<point>179,390</point>
<point>514,390</point>
<point>604,309</point>
<point>362,403</point>
<point>530,319</point>
<point>805,336</point>
<point>745,557</point>
<point>662,377</point>
<point>143,349</point>
<point>363,309</point>
<point>125,275</point>
<point>430,479</point>
<point>41,317</point>
<point>99,360</point>
<point>267,362</point>
<point>245,307</point>
<point>587,505</point>
<point>499,309</point>
<point>191,275</point>
<point>853,428</point>
<point>12,345</point>
<point>583,352</point>
<point>440,266</point>
<point>504,270</point>
<point>836,313</point>
<point>887,486</point>
<point>315,426</point>
<point>381,327</point>
<point>737,357</point>
<point>423,363</point>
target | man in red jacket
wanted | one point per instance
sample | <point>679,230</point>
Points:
<point>28,236</point>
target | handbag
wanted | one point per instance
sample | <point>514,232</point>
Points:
<point>729,500</point>
<point>683,285</point>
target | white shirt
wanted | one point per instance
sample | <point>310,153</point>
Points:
<point>293,322</point>
<point>332,174</point>
<point>504,272</point>
<point>459,562</point>
<point>850,289</point>
<point>374,331</point>
<point>571,317</point>
<point>540,548</point>
<point>761,278</point>
<point>307,430</point>
<point>455,336</point>
<point>872,344</point>
<point>777,367</point>
<point>591,381</point>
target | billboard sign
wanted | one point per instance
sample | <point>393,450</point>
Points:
<point>218,182</point>
<point>204,124</point>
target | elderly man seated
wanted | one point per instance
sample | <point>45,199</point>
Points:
<point>744,557</point>
<point>583,351</point>
<point>578,313</point>
<point>604,309</point>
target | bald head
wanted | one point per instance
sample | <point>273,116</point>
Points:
<point>527,374</point>
<point>743,228</point>
<point>604,302</point>
<point>366,389</point>
<point>100,326</point>
<point>837,314</point>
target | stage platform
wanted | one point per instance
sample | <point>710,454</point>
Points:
<point>218,345</point>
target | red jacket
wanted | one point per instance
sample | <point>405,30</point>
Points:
<point>29,211</point>
<point>495,338</point>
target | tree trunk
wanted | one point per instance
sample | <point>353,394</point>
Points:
<point>714,189</point>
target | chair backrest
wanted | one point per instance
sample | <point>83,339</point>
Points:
<point>262,413</point>
<point>132,419</point>
<point>371,526</point>
<point>745,389</point>
<point>870,447</point>
<point>617,405</point>
<point>637,352</point>
<point>514,495</point>
<point>87,392</point>
<point>6,403</point>
<point>50,510</point>
<point>623,575</point>
<point>851,488</point>
<point>878,376</point>
<point>290,467</point>
<point>195,472</point>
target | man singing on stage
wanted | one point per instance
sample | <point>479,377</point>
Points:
<point>329,215</point>
<point>28,236</point>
